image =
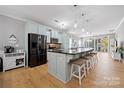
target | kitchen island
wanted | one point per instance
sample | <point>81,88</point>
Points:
<point>59,62</point>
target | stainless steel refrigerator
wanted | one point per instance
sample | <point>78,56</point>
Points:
<point>37,49</point>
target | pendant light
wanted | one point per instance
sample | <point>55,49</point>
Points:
<point>75,23</point>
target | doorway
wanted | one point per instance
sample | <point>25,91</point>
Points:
<point>102,44</point>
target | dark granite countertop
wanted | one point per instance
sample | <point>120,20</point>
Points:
<point>72,52</point>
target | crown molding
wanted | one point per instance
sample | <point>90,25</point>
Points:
<point>11,16</point>
<point>121,21</point>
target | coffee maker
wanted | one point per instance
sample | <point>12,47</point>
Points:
<point>8,49</point>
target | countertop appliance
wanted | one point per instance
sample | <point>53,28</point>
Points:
<point>37,49</point>
<point>8,49</point>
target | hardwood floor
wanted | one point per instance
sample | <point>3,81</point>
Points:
<point>108,73</point>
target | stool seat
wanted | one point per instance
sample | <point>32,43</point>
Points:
<point>87,57</point>
<point>93,53</point>
<point>79,62</point>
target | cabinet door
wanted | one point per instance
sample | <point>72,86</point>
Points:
<point>48,34</point>
<point>51,63</point>
<point>60,66</point>
<point>42,30</point>
<point>48,37</point>
<point>10,62</point>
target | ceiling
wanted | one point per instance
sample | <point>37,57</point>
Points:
<point>96,19</point>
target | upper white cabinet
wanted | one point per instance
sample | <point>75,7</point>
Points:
<point>38,29</point>
<point>64,40</point>
<point>32,28</point>
<point>47,33</point>
<point>54,34</point>
<point>42,30</point>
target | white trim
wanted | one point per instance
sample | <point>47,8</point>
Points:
<point>122,20</point>
<point>11,16</point>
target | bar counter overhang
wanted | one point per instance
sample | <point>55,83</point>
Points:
<point>72,51</point>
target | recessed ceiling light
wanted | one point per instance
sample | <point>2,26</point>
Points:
<point>82,29</point>
<point>87,33</point>
<point>75,25</point>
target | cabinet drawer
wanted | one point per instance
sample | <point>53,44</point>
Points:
<point>19,57</point>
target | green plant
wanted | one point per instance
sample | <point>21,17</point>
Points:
<point>120,49</point>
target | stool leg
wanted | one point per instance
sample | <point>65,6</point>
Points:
<point>93,62</point>
<point>85,71</point>
<point>87,67</point>
<point>79,75</point>
<point>96,58</point>
<point>71,71</point>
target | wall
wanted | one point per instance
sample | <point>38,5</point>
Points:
<point>9,26</point>
<point>120,34</point>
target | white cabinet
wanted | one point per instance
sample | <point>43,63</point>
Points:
<point>57,65</point>
<point>41,30</point>
<point>51,63</point>
<point>32,28</point>
<point>60,64</point>
<point>38,29</point>
<point>48,37</point>
<point>47,33</point>
<point>13,60</point>
<point>64,40</point>
<point>54,34</point>
<point>44,30</point>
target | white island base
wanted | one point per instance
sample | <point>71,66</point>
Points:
<point>59,66</point>
<point>59,62</point>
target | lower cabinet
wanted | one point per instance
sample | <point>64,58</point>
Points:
<point>13,60</point>
<point>60,66</point>
<point>57,65</point>
<point>51,63</point>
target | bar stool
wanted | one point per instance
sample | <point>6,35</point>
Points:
<point>88,63</point>
<point>95,58</point>
<point>80,72</point>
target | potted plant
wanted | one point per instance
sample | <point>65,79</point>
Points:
<point>120,51</point>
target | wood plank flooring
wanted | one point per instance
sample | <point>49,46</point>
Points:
<point>108,73</point>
